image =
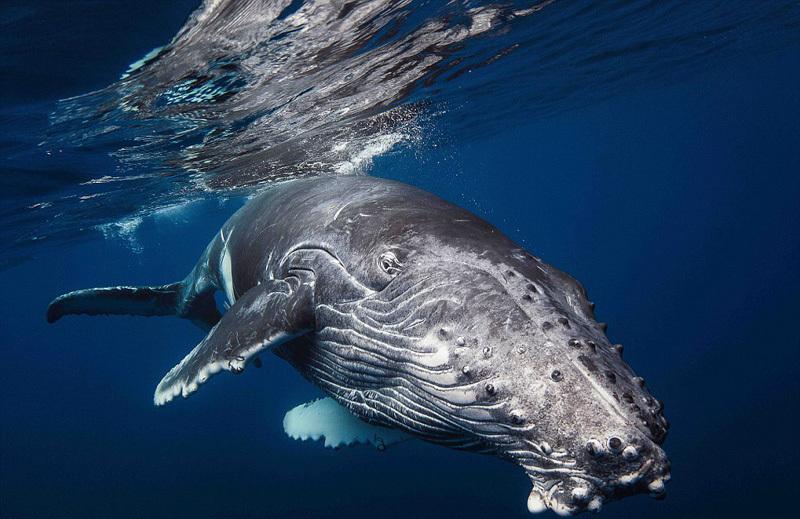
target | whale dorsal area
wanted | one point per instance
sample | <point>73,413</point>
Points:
<point>267,315</point>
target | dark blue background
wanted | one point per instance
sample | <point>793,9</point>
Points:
<point>676,205</point>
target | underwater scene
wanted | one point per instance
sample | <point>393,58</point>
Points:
<point>465,259</point>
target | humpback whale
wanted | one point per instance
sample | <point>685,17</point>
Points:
<point>417,319</point>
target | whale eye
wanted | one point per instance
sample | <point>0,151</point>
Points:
<point>389,263</point>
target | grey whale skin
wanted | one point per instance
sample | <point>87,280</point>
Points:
<point>416,315</point>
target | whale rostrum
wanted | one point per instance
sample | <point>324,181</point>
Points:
<point>419,320</point>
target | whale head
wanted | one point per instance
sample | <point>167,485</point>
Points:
<point>514,364</point>
<point>464,339</point>
<point>538,382</point>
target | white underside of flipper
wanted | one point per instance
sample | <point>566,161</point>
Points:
<point>327,419</point>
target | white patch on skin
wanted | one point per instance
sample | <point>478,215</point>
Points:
<point>227,275</point>
<point>436,359</point>
<point>226,268</point>
<point>656,486</point>
<point>325,418</point>
<point>580,493</point>
<point>633,477</point>
<point>269,265</point>
<point>536,503</point>
<point>595,505</point>
<point>556,506</point>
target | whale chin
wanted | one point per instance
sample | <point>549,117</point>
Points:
<point>572,495</point>
<point>566,497</point>
<point>583,500</point>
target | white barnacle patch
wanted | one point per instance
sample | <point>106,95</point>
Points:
<point>629,479</point>
<point>656,486</point>
<point>326,419</point>
<point>595,505</point>
<point>580,493</point>
<point>634,477</point>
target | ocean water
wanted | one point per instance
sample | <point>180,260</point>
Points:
<point>650,149</point>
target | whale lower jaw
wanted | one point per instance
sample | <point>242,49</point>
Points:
<point>574,494</point>
<point>539,501</point>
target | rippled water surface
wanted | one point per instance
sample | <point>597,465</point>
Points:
<point>257,91</point>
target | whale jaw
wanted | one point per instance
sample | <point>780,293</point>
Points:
<point>572,494</point>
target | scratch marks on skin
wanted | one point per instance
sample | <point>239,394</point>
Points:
<point>348,220</point>
<point>339,211</point>
<point>413,324</point>
<point>268,265</point>
<point>605,399</point>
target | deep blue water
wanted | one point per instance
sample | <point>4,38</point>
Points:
<point>673,197</point>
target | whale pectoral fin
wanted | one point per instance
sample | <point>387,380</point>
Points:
<point>158,300</point>
<point>199,307</point>
<point>266,315</point>
<point>325,418</point>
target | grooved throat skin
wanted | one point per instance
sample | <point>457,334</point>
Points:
<point>416,315</point>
